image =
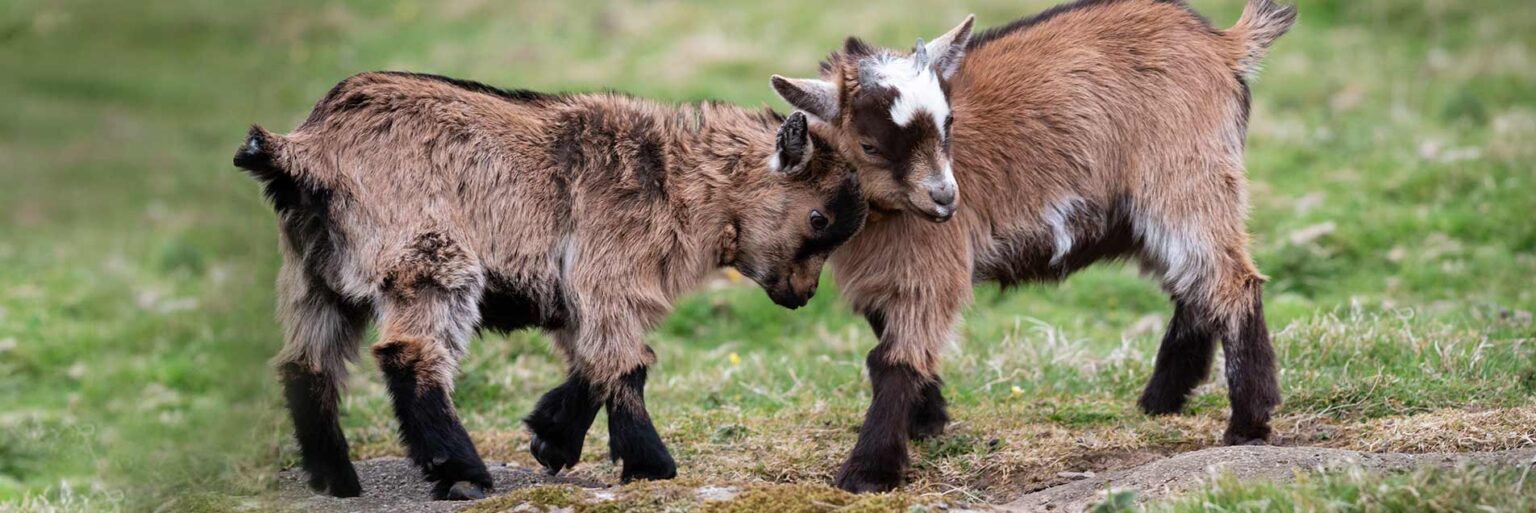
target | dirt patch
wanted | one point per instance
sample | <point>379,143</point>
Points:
<point>393,485</point>
<point>1180,473</point>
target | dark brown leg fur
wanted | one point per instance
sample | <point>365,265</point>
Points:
<point>1254,388</point>
<point>1183,362</point>
<point>879,460</point>
<point>312,402</point>
<point>560,422</point>
<point>930,415</point>
<point>429,426</point>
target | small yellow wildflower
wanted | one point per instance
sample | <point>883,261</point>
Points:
<point>1017,392</point>
<point>735,359</point>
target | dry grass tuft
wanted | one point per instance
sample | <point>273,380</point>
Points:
<point>1448,430</point>
<point>692,496</point>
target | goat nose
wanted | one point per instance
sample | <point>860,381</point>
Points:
<point>943,195</point>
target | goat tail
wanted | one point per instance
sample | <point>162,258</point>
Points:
<point>1262,22</point>
<point>259,155</point>
<point>269,158</point>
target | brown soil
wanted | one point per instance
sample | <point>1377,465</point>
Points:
<point>393,485</point>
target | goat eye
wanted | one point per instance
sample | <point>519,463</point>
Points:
<point>818,222</point>
<point>869,149</point>
<point>948,122</point>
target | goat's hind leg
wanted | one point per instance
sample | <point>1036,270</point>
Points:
<point>418,365</point>
<point>1252,383</point>
<point>322,333</point>
<point>1231,307</point>
<point>430,310</point>
<point>1219,296</point>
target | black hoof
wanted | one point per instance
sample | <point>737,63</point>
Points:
<point>1155,404</point>
<point>930,414</point>
<point>317,484</point>
<point>858,478</point>
<point>342,484</point>
<point>464,491</point>
<point>649,471</point>
<point>460,490</point>
<point>346,487</point>
<point>553,457</point>
<point>1249,435</point>
<point>879,473</point>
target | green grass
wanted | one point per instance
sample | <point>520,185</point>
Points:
<point>1425,490</point>
<point>136,265</point>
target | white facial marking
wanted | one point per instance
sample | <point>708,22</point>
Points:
<point>918,88</point>
<point>943,179</point>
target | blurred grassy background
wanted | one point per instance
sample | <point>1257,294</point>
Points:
<point>1390,157</point>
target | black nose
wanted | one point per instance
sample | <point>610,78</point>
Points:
<point>943,196</point>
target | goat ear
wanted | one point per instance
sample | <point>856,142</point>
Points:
<point>815,97</point>
<point>792,149</point>
<point>946,52</point>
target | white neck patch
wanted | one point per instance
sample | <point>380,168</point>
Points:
<point>917,89</point>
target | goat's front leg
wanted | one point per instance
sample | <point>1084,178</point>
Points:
<point>907,404</point>
<point>610,351</point>
<point>418,353</point>
<point>912,300</point>
<point>631,435</point>
<point>931,413</point>
<point>562,417</point>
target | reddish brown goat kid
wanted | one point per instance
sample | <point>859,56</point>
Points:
<point>1099,129</point>
<point>439,207</point>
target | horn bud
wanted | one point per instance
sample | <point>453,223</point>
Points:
<point>920,55</point>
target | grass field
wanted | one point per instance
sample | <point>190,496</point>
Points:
<point>1390,158</point>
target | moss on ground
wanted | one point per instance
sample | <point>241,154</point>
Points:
<point>684,497</point>
<point>814,498</point>
<point>545,497</point>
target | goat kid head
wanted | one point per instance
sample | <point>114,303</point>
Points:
<point>787,227</point>
<point>891,112</point>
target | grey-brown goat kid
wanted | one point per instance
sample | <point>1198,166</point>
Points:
<point>437,206</point>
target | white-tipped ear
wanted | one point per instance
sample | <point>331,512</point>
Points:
<point>792,149</point>
<point>815,97</point>
<point>946,52</point>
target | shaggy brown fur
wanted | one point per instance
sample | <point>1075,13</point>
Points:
<point>1099,129</point>
<point>440,206</point>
